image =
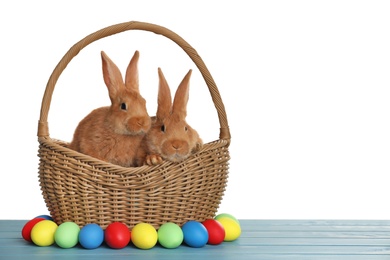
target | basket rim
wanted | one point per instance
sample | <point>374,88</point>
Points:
<point>61,146</point>
<point>43,126</point>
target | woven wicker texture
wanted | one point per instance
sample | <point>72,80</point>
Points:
<point>79,188</point>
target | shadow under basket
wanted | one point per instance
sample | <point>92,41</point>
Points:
<point>82,189</point>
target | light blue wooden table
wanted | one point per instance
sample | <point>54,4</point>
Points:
<point>260,239</point>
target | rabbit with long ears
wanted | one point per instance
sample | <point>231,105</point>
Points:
<point>171,138</point>
<point>114,133</point>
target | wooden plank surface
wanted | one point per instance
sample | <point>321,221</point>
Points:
<point>260,239</point>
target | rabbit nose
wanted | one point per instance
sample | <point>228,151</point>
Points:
<point>141,121</point>
<point>177,145</point>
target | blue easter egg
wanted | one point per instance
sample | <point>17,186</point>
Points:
<point>91,236</point>
<point>195,234</point>
<point>45,217</point>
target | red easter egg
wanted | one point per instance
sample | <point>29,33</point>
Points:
<point>117,235</point>
<point>216,231</point>
<point>26,231</point>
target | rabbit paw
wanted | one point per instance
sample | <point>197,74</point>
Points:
<point>153,159</point>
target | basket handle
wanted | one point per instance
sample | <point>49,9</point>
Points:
<point>43,127</point>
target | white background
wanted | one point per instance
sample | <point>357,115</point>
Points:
<point>306,86</point>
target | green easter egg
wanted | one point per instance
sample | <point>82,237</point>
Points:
<point>67,235</point>
<point>170,235</point>
<point>227,216</point>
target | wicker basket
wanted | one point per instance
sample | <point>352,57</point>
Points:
<point>82,189</point>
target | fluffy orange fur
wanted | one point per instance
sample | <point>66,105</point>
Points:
<point>171,137</point>
<point>114,133</point>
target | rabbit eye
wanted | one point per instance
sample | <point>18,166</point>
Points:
<point>123,106</point>
<point>163,128</point>
<point>185,128</point>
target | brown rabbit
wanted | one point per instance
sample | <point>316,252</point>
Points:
<point>170,137</point>
<point>114,133</point>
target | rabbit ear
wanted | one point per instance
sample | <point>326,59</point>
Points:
<point>164,100</point>
<point>131,79</point>
<point>112,75</point>
<point>181,97</point>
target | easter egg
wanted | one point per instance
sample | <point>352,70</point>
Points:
<point>144,236</point>
<point>223,215</point>
<point>91,236</point>
<point>195,234</point>
<point>67,235</point>
<point>232,228</point>
<point>170,235</point>
<point>45,217</point>
<point>215,230</point>
<point>117,235</point>
<point>26,230</point>
<point>42,234</point>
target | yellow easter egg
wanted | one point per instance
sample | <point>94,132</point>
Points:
<point>144,236</point>
<point>42,234</point>
<point>232,228</point>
